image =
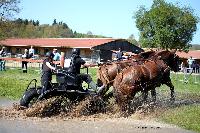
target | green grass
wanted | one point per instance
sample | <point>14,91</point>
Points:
<point>13,82</point>
<point>181,87</point>
<point>187,117</point>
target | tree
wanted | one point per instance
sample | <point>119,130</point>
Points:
<point>7,9</point>
<point>89,34</point>
<point>37,23</point>
<point>132,40</point>
<point>54,22</point>
<point>65,26</point>
<point>166,26</point>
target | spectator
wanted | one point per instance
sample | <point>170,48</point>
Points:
<point>190,61</point>
<point>119,55</point>
<point>2,61</point>
<point>24,63</point>
<point>183,67</point>
<point>195,67</point>
<point>31,52</point>
<point>56,55</point>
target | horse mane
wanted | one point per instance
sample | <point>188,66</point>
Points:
<point>147,54</point>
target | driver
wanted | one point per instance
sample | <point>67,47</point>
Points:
<point>47,68</point>
<point>76,63</point>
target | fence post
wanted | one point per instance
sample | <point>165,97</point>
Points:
<point>195,76</point>
<point>62,60</point>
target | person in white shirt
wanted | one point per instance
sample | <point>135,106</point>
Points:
<point>190,62</point>
<point>31,51</point>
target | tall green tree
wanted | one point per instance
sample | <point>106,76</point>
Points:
<point>166,25</point>
<point>7,10</point>
<point>132,40</point>
<point>54,22</point>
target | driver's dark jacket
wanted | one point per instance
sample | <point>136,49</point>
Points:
<point>46,72</point>
<point>76,62</point>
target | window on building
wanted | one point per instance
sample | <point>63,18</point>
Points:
<point>18,51</point>
<point>37,51</point>
<point>46,50</point>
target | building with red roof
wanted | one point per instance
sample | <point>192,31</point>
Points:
<point>90,47</point>
<point>194,53</point>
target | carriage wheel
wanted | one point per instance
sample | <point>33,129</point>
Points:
<point>29,97</point>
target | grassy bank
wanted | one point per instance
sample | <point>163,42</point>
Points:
<point>13,83</point>
<point>186,117</point>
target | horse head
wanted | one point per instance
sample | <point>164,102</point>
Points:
<point>169,57</point>
<point>174,62</point>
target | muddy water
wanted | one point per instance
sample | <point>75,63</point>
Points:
<point>14,120</point>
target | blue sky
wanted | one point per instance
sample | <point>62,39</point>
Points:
<point>112,18</point>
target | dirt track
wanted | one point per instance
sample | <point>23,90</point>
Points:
<point>83,125</point>
<point>89,126</point>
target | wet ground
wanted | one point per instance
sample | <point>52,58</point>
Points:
<point>5,102</point>
<point>93,124</point>
<point>87,126</point>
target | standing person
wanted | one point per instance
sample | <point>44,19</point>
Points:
<point>190,61</point>
<point>47,68</point>
<point>2,61</point>
<point>31,52</point>
<point>76,63</point>
<point>24,63</point>
<point>119,54</point>
<point>56,55</point>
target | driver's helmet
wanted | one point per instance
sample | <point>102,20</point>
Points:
<point>76,51</point>
<point>50,55</point>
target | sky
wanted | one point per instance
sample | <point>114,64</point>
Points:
<point>110,18</point>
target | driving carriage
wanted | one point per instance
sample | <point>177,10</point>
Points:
<point>67,85</point>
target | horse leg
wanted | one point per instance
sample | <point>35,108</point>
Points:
<point>102,88</point>
<point>145,95</point>
<point>171,86</point>
<point>153,94</point>
<point>99,82</point>
<point>108,95</point>
<point>121,100</point>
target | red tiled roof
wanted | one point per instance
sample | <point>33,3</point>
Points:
<point>194,53</point>
<point>58,42</point>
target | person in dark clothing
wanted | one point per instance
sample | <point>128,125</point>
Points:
<point>119,55</point>
<point>24,63</point>
<point>2,61</point>
<point>47,68</point>
<point>76,63</point>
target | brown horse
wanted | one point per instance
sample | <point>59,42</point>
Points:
<point>151,74</point>
<point>107,72</point>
